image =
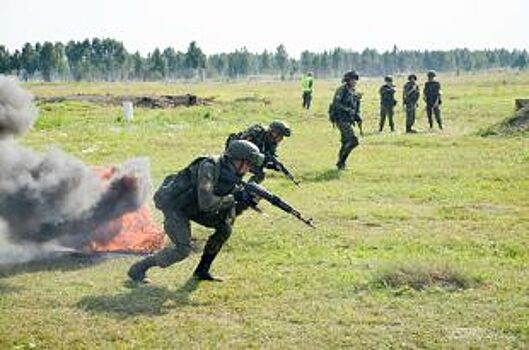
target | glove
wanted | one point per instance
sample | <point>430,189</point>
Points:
<point>272,166</point>
<point>244,198</point>
<point>358,118</point>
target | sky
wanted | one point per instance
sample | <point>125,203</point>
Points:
<point>226,25</point>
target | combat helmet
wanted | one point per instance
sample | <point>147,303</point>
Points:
<point>412,76</point>
<point>431,73</point>
<point>388,79</point>
<point>245,150</point>
<point>351,75</point>
<point>280,127</point>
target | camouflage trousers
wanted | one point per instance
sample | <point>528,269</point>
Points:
<point>348,139</point>
<point>178,228</point>
<point>436,111</point>
<point>386,111</point>
<point>410,116</point>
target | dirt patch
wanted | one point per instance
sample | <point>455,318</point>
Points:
<point>163,101</point>
<point>253,99</point>
<point>517,124</point>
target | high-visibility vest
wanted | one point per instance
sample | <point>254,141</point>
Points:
<point>306,83</point>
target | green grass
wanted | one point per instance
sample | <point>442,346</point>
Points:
<point>422,244</point>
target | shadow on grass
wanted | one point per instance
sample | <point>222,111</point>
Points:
<point>69,262</point>
<point>145,299</point>
<point>327,175</point>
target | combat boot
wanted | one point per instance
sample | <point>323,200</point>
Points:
<point>202,271</point>
<point>137,271</point>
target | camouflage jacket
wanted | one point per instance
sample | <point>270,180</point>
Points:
<point>198,188</point>
<point>387,95</point>
<point>345,105</point>
<point>432,92</point>
<point>410,93</point>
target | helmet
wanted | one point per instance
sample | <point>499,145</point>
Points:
<point>351,75</point>
<point>431,73</point>
<point>388,79</point>
<point>412,76</point>
<point>280,127</point>
<point>245,150</point>
<point>309,74</point>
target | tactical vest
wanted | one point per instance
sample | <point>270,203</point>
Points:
<point>387,95</point>
<point>179,191</point>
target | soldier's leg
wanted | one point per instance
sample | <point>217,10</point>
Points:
<point>349,142</point>
<point>178,229</point>
<point>309,99</point>
<point>408,118</point>
<point>214,244</point>
<point>429,115</point>
<point>382,118</point>
<point>390,118</point>
<point>437,113</point>
<point>413,109</point>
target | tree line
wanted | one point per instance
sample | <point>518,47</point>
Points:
<point>108,60</point>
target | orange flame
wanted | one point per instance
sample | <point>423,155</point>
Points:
<point>134,232</point>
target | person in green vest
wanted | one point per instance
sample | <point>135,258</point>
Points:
<point>307,83</point>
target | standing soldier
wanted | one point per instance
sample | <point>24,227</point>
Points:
<point>410,98</point>
<point>201,193</point>
<point>306,88</point>
<point>387,103</point>
<point>343,112</point>
<point>267,141</point>
<point>432,97</point>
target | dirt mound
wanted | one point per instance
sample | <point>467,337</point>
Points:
<point>517,124</point>
<point>164,101</point>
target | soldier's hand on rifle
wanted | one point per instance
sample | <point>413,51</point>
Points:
<point>244,198</point>
<point>272,166</point>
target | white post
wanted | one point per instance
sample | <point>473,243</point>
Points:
<point>128,110</point>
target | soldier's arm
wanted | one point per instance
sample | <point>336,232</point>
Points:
<point>208,201</point>
<point>338,96</point>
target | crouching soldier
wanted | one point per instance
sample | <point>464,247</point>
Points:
<point>267,140</point>
<point>200,193</point>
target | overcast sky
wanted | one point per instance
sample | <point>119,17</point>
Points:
<point>224,25</point>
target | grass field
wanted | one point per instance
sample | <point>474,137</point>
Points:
<point>423,243</point>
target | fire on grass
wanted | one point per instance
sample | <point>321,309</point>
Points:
<point>134,232</point>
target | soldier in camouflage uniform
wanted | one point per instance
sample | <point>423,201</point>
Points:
<point>267,140</point>
<point>387,103</point>
<point>200,193</point>
<point>344,113</point>
<point>432,97</point>
<point>410,98</point>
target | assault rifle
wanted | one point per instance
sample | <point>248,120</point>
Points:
<point>258,191</point>
<point>275,164</point>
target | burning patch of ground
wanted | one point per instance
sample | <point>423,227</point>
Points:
<point>163,101</point>
<point>422,276</point>
<point>53,201</point>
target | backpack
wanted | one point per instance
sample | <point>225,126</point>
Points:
<point>176,188</point>
<point>387,96</point>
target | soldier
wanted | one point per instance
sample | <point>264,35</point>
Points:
<point>343,112</point>
<point>200,193</point>
<point>432,97</point>
<point>387,103</point>
<point>410,98</point>
<point>306,89</point>
<point>267,140</point>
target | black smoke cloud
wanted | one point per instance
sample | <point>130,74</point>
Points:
<point>54,200</point>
